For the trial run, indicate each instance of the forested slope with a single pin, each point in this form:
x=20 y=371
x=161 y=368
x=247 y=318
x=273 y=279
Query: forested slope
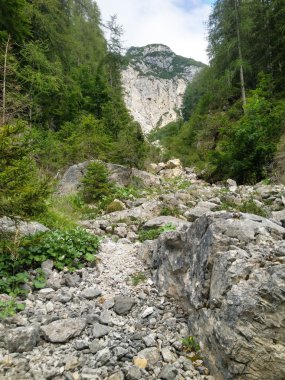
x=61 y=97
x=234 y=111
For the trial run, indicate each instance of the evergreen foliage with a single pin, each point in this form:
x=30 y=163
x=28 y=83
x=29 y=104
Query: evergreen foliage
x=61 y=97
x=95 y=183
x=22 y=187
x=234 y=109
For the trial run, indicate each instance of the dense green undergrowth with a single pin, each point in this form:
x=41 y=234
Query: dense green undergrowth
x=234 y=110
x=21 y=257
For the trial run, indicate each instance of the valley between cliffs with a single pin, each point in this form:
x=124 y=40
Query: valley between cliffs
x=183 y=260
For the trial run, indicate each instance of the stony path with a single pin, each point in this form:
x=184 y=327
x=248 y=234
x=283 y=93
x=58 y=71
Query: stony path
x=95 y=324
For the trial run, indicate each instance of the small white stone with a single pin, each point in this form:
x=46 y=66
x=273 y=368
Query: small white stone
x=147 y=312
x=49 y=307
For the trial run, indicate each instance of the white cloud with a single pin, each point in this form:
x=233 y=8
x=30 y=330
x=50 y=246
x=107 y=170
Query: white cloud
x=179 y=24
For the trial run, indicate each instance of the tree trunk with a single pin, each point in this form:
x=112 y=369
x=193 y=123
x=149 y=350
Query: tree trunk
x=4 y=81
x=241 y=73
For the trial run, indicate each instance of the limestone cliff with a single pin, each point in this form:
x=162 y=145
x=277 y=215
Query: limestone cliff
x=155 y=80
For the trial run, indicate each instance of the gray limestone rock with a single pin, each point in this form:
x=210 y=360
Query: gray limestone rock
x=72 y=280
x=10 y=226
x=168 y=356
x=91 y=293
x=196 y=212
x=95 y=346
x=117 y=376
x=105 y=317
x=151 y=354
x=123 y=304
x=153 y=100
x=133 y=373
x=123 y=176
x=63 y=330
x=149 y=340
x=100 y=330
x=103 y=356
x=22 y=339
x=225 y=269
x=279 y=216
x=147 y=210
x=168 y=372
x=161 y=221
x=71 y=179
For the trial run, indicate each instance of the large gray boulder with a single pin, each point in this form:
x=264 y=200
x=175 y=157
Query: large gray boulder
x=13 y=225
x=71 y=179
x=22 y=339
x=229 y=269
x=119 y=174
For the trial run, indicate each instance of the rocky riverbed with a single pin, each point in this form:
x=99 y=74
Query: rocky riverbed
x=96 y=324
x=218 y=276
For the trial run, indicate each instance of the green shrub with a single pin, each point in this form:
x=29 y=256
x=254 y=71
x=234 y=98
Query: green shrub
x=63 y=213
x=95 y=183
x=190 y=345
x=67 y=249
x=247 y=146
x=154 y=233
x=137 y=278
x=248 y=206
x=251 y=207
x=23 y=189
x=170 y=211
x=114 y=206
x=9 y=308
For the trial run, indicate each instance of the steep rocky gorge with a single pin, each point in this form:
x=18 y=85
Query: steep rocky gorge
x=155 y=81
x=218 y=276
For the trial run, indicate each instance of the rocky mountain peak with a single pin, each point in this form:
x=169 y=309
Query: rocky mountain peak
x=160 y=61
x=155 y=80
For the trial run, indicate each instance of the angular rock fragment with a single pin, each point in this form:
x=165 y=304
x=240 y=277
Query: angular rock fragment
x=123 y=304
x=63 y=330
x=22 y=339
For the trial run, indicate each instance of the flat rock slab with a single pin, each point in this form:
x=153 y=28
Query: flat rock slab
x=161 y=221
x=123 y=304
x=63 y=330
x=91 y=293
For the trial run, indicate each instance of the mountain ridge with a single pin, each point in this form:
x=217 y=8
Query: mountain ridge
x=154 y=80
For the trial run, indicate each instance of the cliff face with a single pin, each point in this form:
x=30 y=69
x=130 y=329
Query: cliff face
x=155 y=81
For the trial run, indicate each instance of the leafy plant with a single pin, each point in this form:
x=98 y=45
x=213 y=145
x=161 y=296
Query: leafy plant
x=115 y=205
x=189 y=344
x=39 y=281
x=67 y=249
x=248 y=206
x=9 y=308
x=153 y=233
x=170 y=210
x=137 y=278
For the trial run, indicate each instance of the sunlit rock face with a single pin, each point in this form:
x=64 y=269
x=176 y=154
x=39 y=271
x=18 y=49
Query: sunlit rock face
x=154 y=81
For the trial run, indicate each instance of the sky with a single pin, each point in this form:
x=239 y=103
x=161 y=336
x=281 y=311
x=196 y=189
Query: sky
x=179 y=24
